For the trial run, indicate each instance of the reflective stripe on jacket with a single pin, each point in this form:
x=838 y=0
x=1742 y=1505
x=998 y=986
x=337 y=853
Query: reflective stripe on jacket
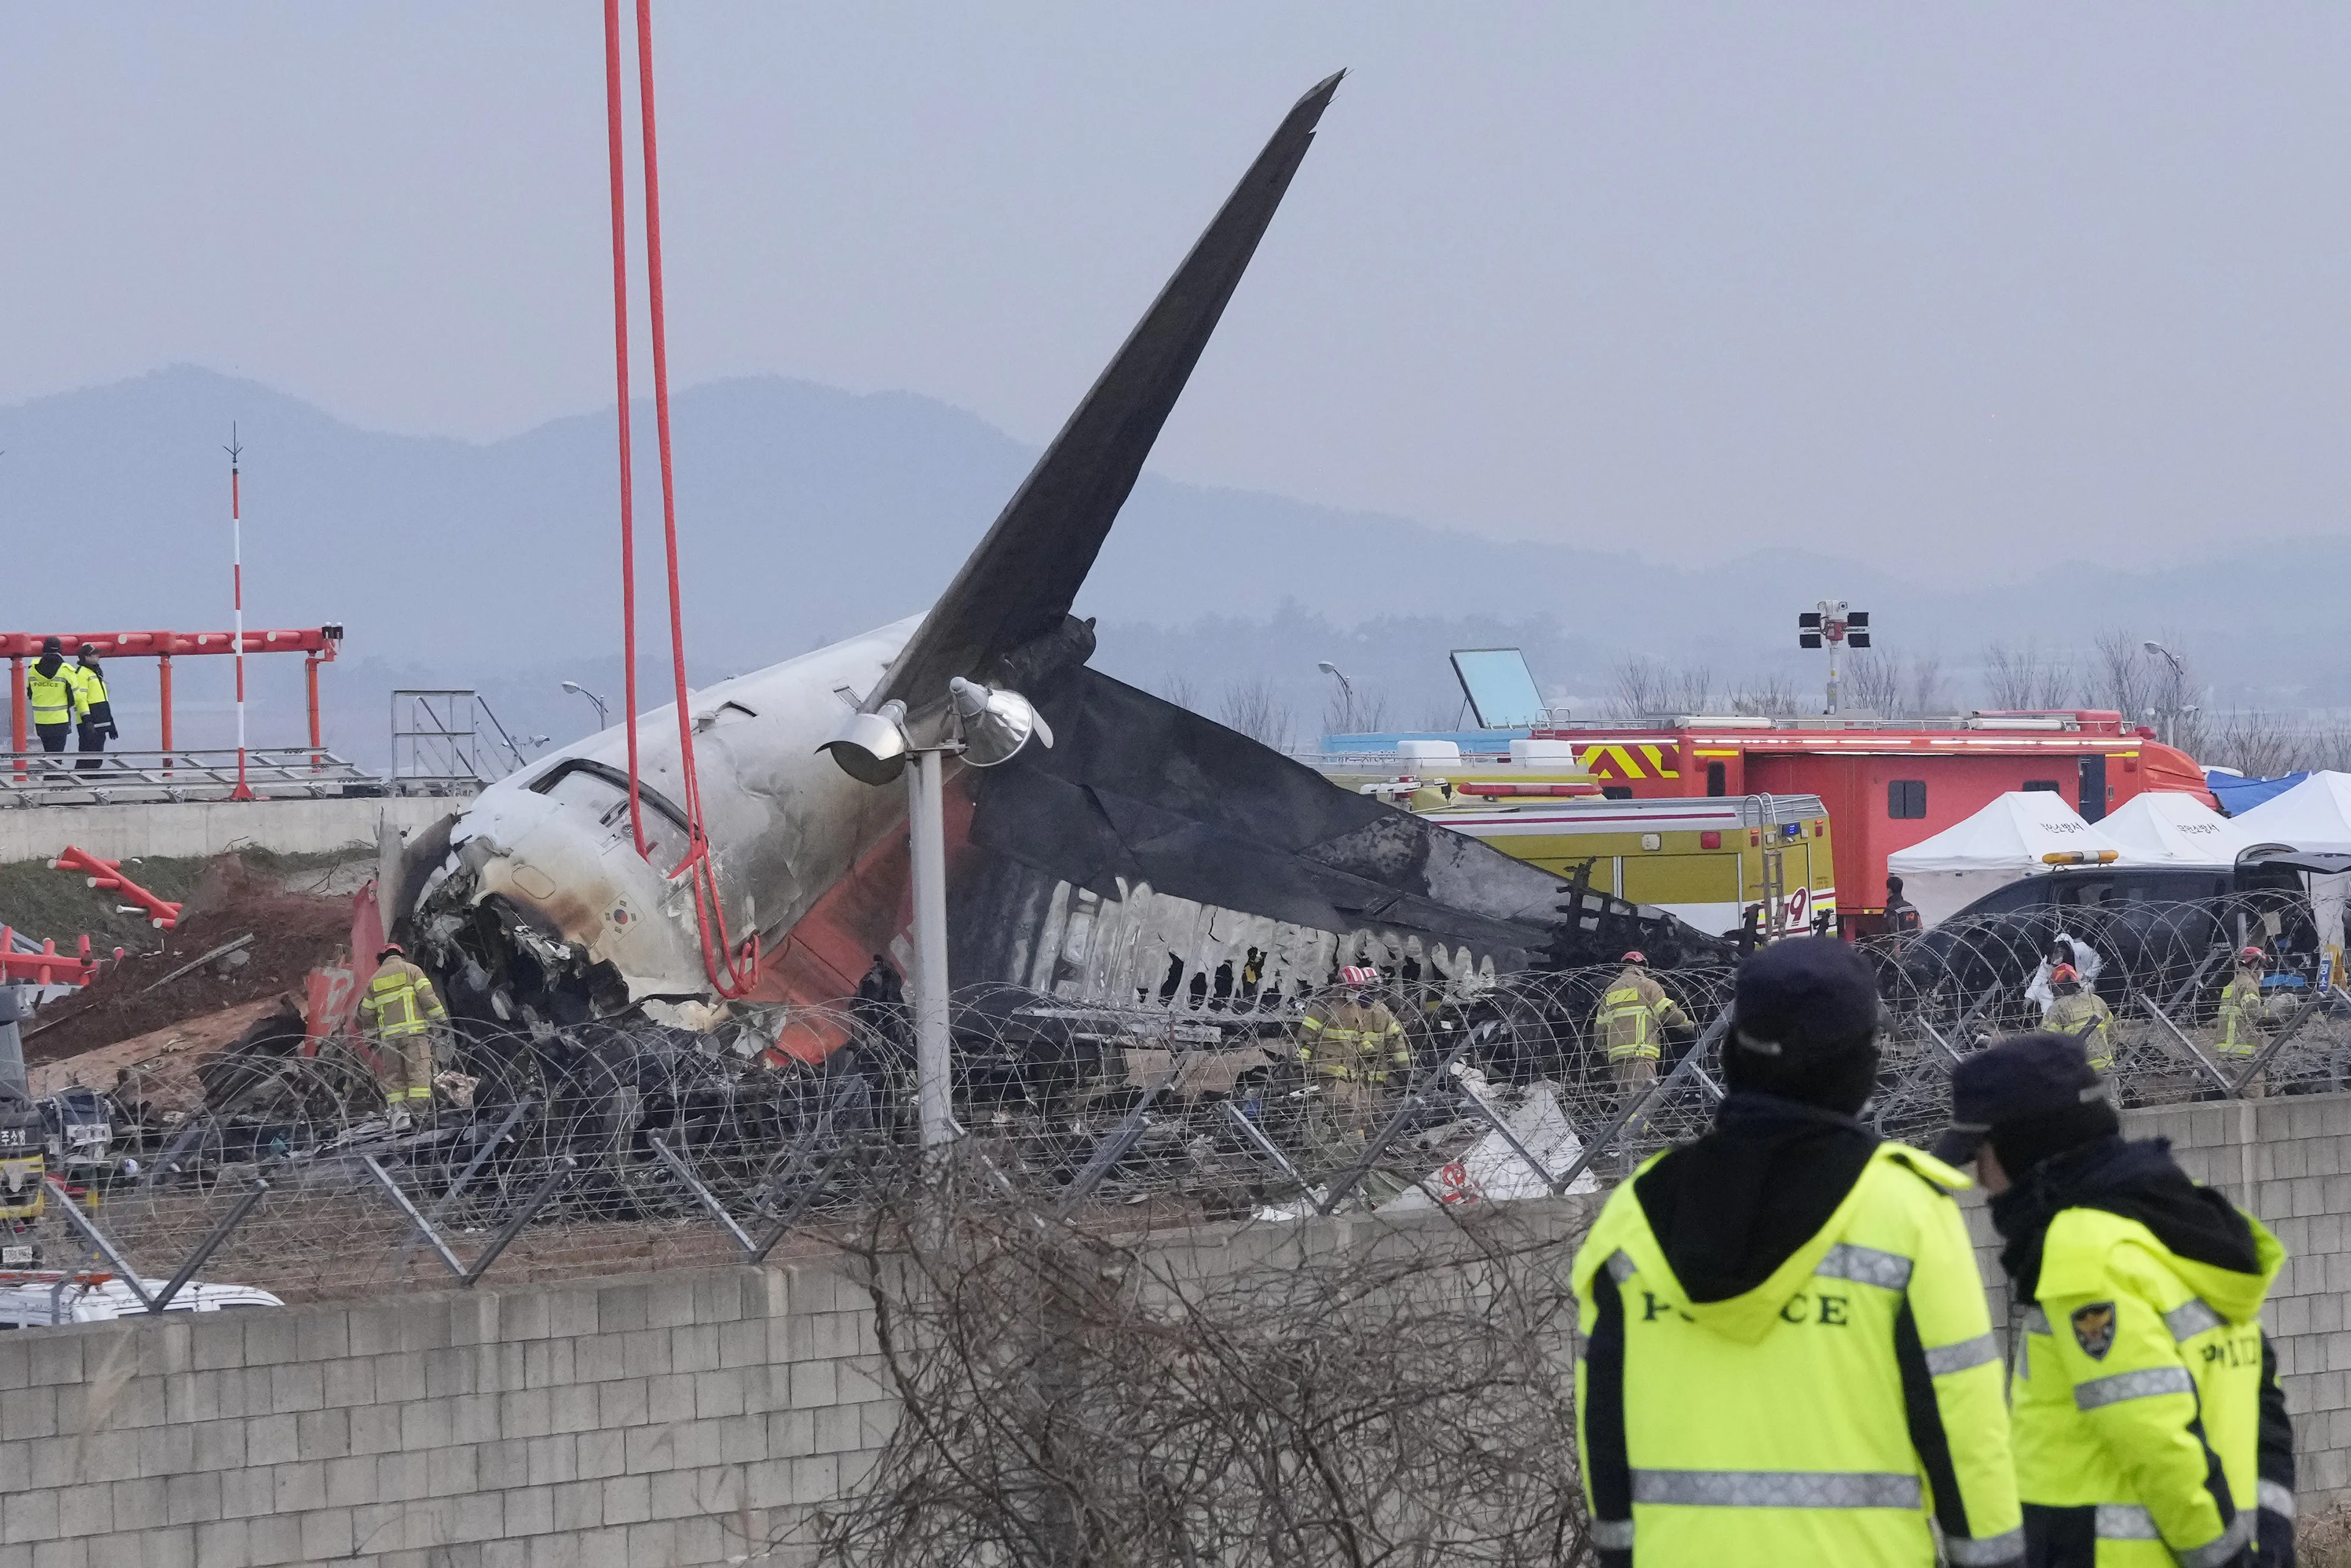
x=2085 y=1015
x=400 y=1002
x=2240 y=1014
x=90 y=689
x=1633 y=1014
x=1844 y=1411
x=54 y=699
x=2137 y=1398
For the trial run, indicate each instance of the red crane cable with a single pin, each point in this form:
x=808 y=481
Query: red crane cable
x=732 y=970
x=620 y=358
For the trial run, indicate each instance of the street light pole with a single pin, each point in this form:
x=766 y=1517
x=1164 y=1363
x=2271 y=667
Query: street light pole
x=235 y=451
x=986 y=726
x=927 y=839
x=1346 y=692
x=602 y=722
x=2179 y=684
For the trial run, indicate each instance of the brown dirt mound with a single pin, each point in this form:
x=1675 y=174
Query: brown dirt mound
x=293 y=933
x=165 y=1063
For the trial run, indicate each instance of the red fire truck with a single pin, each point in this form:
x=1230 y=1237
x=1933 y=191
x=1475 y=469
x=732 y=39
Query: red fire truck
x=1887 y=785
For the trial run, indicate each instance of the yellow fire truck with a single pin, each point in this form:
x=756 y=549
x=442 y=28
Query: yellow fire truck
x=1719 y=864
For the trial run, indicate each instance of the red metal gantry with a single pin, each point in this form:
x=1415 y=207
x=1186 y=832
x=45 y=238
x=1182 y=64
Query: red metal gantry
x=317 y=645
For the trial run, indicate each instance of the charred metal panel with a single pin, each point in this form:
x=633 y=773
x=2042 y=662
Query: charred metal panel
x=1150 y=841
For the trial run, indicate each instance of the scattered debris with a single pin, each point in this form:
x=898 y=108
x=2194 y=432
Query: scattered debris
x=164 y=1061
x=1492 y=1170
x=285 y=936
x=232 y=946
x=160 y=913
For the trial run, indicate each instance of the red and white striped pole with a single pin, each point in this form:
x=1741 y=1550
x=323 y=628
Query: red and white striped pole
x=242 y=791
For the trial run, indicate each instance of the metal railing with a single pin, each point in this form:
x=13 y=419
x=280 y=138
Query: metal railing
x=446 y=740
x=82 y=779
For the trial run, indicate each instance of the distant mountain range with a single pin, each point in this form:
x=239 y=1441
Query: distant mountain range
x=808 y=513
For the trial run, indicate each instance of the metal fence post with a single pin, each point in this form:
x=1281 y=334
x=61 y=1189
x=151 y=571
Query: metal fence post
x=1129 y=1131
x=1266 y=1145
x=1404 y=1108
x=564 y=1166
x=2196 y=979
x=423 y=1228
x=448 y=1200
x=2276 y=1044
x=1687 y=1065
x=229 y=1221
x=707 y=1198
x=98 y=1238
x=2187 y=1045
x=801 y=1204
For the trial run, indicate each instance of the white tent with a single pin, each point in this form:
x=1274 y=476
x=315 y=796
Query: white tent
x=2167 y=827
x=2315 y=815
x=2007 y=840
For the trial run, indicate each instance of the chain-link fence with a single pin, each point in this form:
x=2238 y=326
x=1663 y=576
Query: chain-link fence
x=609 y=1148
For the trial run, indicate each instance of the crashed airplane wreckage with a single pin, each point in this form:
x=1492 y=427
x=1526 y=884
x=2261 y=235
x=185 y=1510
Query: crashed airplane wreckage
x=1149 y=860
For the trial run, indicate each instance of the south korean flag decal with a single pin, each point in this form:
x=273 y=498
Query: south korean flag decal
x=2094 y=1329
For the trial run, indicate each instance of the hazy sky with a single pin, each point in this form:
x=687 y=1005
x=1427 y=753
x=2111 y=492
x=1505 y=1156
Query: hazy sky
x=1950 y=288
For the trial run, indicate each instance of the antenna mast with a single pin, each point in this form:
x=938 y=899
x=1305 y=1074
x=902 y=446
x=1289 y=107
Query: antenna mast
x=242 y=791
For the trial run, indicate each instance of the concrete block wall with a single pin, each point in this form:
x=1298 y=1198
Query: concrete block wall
x=660 y=1421
x=695 y=1417
x=210 y=826
x=685 y=1418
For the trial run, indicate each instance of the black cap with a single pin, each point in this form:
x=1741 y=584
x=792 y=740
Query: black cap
x=52 y=645
x=1806 y=998
x=2028 y=1078
x=88 y=649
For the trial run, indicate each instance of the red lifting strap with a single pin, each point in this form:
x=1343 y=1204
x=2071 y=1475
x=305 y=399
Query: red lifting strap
x=732 y=970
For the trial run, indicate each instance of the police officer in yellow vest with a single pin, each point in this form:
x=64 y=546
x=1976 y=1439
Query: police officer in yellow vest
x=1787 y=1355
x=53 y=691
x=2149 y=1427
x=95 y=725
x=402 y=1015
x=2075 y=1009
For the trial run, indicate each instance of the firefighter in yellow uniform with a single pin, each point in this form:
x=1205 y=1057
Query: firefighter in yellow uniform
x=2077 y=1010
x=1634 y=1014
x=402 y=1015
x=2242 y=1017
x=54 y=692
x=1351 y=1047
x=1787 y=1354
x=2150 y=1427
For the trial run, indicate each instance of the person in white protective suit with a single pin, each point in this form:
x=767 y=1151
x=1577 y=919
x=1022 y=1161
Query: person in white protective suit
x=2063 y=948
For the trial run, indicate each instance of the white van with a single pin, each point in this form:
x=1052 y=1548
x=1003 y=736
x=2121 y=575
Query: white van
x=39 y=1300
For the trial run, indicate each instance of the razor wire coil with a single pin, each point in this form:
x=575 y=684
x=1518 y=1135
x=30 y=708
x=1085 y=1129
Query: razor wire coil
x=615 y=1146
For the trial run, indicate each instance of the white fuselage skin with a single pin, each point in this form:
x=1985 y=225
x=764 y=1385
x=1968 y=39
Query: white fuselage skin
x=785 y=823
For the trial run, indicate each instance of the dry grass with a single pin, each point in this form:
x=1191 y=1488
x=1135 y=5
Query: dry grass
x=2324 y=1540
